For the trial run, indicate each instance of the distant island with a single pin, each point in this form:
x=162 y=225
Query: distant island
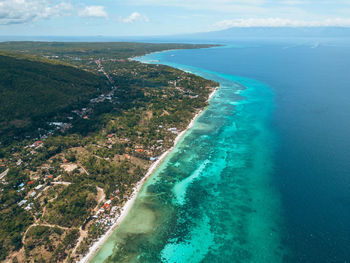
x=81 y=123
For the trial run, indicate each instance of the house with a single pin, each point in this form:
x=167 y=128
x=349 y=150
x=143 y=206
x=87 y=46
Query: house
x=139 y=150
x=22 y=202
x=30 y=182
x=100 y=211
x=32 y=194
x=56 y=123
x=39 y=187
x=173 y=130
x=37 y=144
x=28 y=207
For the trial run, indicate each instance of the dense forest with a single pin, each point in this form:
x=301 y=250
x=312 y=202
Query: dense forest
x=33 y=91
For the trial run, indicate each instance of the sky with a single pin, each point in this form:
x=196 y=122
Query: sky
x=162 y=17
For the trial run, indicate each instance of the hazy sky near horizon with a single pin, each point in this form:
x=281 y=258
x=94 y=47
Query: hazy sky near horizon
x=162 y=17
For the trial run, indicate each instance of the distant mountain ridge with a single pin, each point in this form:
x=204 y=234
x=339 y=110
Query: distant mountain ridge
x=211 y=36
x=277 y=32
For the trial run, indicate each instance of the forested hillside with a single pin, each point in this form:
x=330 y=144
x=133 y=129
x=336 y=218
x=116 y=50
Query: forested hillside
x=31 y=91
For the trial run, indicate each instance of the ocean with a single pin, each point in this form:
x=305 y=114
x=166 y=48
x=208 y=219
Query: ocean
x=264 y=174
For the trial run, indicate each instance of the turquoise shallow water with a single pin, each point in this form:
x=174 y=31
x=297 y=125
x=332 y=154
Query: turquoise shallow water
x=212 y=199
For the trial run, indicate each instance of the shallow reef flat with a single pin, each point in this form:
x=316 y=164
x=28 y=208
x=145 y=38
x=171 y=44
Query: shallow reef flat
x=211 y=200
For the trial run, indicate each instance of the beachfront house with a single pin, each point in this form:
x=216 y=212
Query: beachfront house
x=173 y=130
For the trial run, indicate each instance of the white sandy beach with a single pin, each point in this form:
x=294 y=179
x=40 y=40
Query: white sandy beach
x=126 y=208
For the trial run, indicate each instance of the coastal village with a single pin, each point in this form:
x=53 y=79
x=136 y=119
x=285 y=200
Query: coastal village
x=70 y=188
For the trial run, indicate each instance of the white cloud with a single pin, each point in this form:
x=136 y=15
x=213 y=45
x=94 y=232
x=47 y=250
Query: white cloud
x=134 y=17
x=291 y=9
x=97 y=11
x=196 y=3
x=217 y=5
x=237 y=8
x=280 y=22
x=21 y=11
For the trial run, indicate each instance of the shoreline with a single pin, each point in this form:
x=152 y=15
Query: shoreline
x=128 y=205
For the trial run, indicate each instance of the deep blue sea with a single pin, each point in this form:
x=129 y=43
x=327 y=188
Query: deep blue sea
x=264 y=175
